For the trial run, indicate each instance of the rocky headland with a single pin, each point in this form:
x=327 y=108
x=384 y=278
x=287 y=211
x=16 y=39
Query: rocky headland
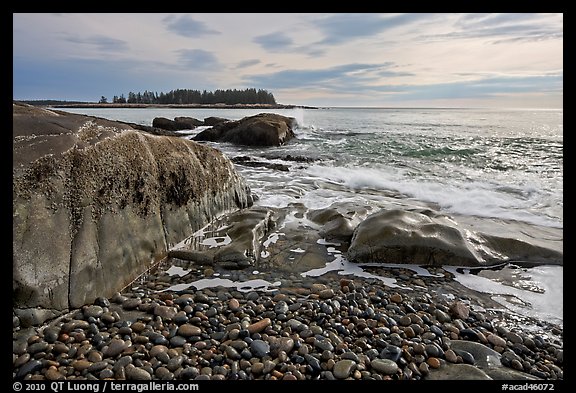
x=140 y=256
x=96 y=203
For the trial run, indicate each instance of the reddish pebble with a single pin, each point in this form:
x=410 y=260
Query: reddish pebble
x=259 y=326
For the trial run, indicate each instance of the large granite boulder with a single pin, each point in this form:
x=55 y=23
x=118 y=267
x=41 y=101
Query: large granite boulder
x=96 y=203
x=427 y=238
x=264 y=129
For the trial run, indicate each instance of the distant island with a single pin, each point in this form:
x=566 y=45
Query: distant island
x=69 y=104
x=180 y=98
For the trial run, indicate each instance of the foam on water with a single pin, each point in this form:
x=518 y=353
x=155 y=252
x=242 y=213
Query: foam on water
x=474 y=198
x=242 y=286
x=538 y=294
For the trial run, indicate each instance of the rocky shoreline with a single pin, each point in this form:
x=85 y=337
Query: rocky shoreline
x=246 y=295
x=295 y=328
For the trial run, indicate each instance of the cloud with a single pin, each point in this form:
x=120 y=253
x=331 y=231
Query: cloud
x=504 y=28
x=274 y=41
x=198 y=59
x=485 y=87
x=100 y=42
x=280 y=42
x=338 y=77
x=186 y=26
x=247 y=63
x=345 y=27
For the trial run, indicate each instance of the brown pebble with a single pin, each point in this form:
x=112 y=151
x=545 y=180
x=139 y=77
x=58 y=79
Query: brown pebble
x=234 y=304
x=165 y=296
x=289 y=377
x=317 y=288
x=409 y=332
x=326 y=294
x=396 y=298
x=81 y=365
x=259 y=326
x=188 y=330
x=423 y=368
x=280 y=297
x=433 y=362
x=94 y=356
x=63 y=337
x=344 y=282
x=451 y=356
x=459 y=310
x=52 y=374
x=496 y=340
x=22 y=359
x=257 y=368
x=138 y=327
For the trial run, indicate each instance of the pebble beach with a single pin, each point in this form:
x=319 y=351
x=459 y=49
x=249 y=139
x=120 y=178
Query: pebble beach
x=300 y=328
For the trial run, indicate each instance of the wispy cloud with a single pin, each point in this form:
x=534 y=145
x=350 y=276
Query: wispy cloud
x=504 y=28
x=485 y=87
x=198 y=59
x=337 y=77
x=281 y=42
x=340 y=28
x=185 y=26
x=99 y=42
x=247 y=63
x=274 y=41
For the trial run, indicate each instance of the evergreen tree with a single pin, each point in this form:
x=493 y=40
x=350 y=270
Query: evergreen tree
x=189 y=96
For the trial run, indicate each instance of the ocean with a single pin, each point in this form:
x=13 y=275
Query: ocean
x=495 y=170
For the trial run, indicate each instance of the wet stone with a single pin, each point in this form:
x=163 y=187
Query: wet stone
x=384 y=366
x=496 y=340
x=52 y=374
x=131 y=303
x=93 y=311
x=136 y=373
x=115 y=347
x=259 y=348
x=343 y=368
x=188 y=330
x=177 y=341
x=29 y=368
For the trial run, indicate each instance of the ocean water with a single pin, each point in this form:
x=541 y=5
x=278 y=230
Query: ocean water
x=498 y=171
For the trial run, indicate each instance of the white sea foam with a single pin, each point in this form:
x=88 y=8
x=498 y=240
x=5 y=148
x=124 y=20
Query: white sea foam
x=346 y=268
x=474 y=198
x=242 y=286
x=547 y=303
x=216 y=241
x=177 y=271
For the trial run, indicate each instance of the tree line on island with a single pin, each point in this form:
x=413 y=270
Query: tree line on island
x=189 y=96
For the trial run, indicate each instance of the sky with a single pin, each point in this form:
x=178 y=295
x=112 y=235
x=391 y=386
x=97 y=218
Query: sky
x=342 y=59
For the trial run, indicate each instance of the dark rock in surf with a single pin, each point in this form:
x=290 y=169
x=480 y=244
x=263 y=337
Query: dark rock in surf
x=264 y=129
x=213 y=120
x=179 y=123
x=248 y=161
